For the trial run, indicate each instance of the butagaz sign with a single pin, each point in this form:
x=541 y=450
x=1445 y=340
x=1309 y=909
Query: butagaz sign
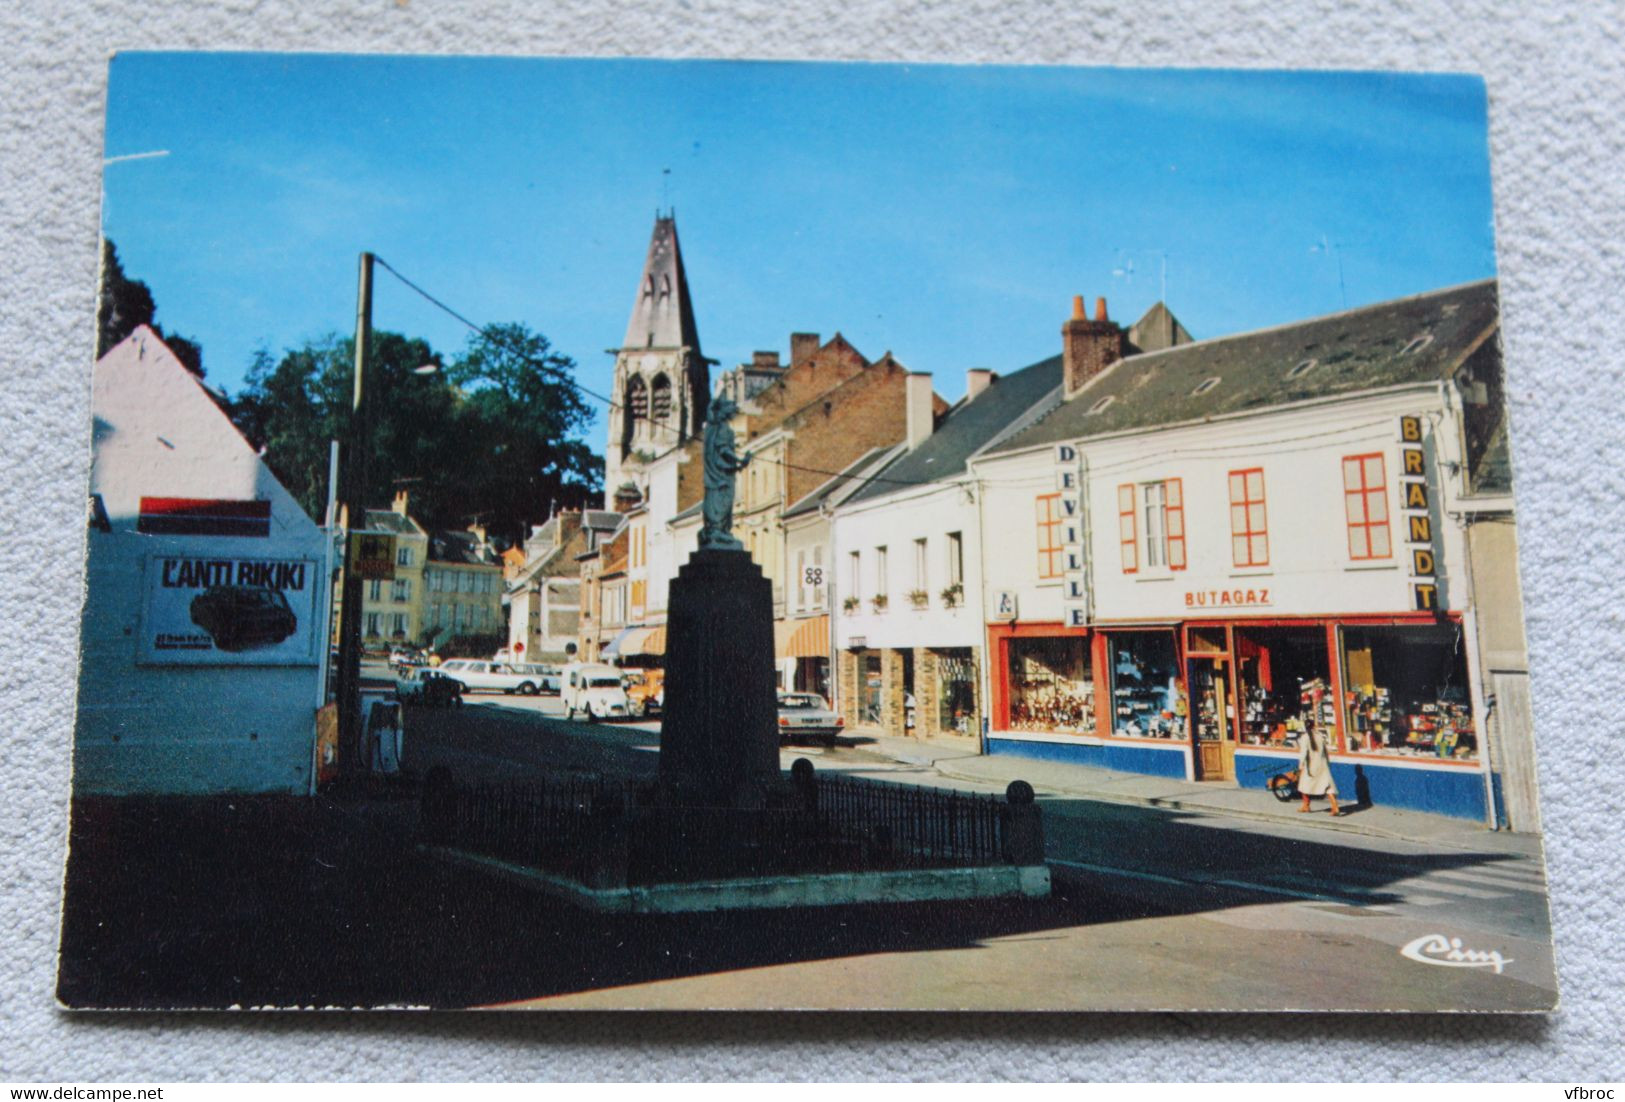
x=1227 y=598
x=1416 y=509
x=1069 y=508
x=221 y=610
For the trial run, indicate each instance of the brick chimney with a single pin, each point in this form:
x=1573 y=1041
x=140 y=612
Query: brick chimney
x=802 y=345
x=764 y=359
x=978 y=379
x=399 y=504
x=917 y=401
x=1088 y=347
x=627 y=498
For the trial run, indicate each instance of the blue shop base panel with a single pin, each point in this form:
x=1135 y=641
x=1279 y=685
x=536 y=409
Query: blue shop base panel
x=1458 y=793
x=1123 y=757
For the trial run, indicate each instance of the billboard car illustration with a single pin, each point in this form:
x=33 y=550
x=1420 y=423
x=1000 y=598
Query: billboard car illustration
x=240 y=618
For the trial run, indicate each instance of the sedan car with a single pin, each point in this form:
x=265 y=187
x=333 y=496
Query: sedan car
x=240 y=618
x=807 y=717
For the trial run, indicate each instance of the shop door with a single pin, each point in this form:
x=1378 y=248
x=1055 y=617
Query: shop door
x=870 y=714
x=1212 y=715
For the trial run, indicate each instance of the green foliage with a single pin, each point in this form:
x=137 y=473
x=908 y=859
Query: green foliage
x=492 y=437
x=125 y=304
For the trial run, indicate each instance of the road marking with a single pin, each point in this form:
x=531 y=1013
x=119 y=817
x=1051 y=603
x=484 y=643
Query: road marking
x=1434 y=885
x=1412 y=879
x=1358 y=893
x=1499 y=876
x=1313 y=897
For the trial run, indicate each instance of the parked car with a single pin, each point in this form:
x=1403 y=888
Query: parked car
x=645 y=691
x=478 y=675
x=240 y=617
x=548 y=678
x=595 y=691
x=807 y=717
x=428 y=687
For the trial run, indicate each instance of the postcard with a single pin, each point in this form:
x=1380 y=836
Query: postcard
x=708 y=535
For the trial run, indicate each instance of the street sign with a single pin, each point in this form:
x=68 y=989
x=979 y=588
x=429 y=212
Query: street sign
x=372 y=555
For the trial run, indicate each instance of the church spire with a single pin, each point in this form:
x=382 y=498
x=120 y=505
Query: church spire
x=663 y=316
x=662 y=379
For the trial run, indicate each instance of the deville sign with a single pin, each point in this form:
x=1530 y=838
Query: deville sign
x=1069 y=509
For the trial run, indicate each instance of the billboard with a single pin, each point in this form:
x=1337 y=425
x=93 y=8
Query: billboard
x=229 y=610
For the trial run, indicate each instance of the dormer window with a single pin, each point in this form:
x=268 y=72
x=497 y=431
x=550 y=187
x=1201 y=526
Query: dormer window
x=1301 y=368
x=1205 y=385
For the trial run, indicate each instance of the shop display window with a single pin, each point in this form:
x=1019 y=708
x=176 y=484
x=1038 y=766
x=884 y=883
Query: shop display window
x=1285 y=684
x=1405 y=690
x=1147 y=698
x=1051 y=685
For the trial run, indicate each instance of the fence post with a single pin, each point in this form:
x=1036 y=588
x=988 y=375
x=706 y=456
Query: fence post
x=1023 y=830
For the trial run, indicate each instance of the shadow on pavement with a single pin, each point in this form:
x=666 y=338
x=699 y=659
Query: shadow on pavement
x=218 y=902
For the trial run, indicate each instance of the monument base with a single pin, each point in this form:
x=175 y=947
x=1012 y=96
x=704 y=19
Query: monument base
x=719 y=743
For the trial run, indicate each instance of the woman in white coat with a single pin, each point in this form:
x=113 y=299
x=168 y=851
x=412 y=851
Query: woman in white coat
x=1315 y=769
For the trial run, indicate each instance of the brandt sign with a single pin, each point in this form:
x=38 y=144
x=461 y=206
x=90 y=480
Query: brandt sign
x=201 y=610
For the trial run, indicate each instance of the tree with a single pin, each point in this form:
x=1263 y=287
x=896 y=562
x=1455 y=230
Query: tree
x=524 y=416
x=494 y=437
x=125 y=304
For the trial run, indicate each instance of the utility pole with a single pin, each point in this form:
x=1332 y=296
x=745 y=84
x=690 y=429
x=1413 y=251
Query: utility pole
x=353 y=505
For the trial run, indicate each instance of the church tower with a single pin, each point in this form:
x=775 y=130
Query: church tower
x=662 y=380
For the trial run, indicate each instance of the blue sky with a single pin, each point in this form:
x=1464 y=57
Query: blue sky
x=947 y=214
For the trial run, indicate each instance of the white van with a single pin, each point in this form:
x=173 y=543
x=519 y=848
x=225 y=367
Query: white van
x=595 y=690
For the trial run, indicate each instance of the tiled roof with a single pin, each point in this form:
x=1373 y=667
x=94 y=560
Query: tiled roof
x=969 y=427
x=458 y=547
x=842 y=481
x=1409 y=340
x=387 y=520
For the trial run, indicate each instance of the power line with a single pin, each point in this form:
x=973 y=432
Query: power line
x=486 y=333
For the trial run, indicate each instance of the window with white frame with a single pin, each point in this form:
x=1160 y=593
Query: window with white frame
x=956 y=559
x=854 y=580
x=401 y=590
x=403 y=557
x=921 y=573
x=882 y=589
x=375 y=590
x=1152 y=515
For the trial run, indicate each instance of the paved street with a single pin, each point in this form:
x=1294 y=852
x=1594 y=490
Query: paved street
x=1155 y=907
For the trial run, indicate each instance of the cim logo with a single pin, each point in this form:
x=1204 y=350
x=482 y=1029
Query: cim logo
x=1448 y=952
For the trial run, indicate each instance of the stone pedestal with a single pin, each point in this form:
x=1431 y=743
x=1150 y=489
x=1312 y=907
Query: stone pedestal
x=719 y=735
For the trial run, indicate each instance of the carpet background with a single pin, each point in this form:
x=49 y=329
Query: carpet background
x=1557 y=93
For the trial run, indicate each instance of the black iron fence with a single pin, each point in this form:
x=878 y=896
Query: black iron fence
x=605 y=833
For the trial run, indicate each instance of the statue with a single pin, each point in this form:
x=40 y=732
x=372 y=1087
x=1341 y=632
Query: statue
x=721 y=464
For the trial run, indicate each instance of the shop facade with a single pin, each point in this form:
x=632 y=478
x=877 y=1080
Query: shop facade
x=1197 y=593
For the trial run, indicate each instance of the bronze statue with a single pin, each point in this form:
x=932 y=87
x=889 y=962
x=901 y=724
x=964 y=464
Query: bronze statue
x=721 y=464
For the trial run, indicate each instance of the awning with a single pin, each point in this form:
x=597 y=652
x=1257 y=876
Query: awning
x=635 y=641
x=807 y=638
x=651 y=641
x=612 y=649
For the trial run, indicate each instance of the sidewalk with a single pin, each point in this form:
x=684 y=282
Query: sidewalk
x=958 y=760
